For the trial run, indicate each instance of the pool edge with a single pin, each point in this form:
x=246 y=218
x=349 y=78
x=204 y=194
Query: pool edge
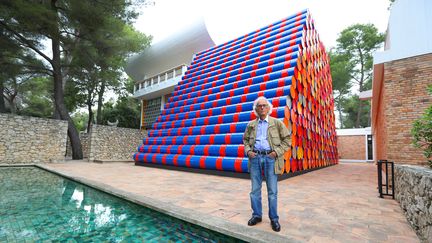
x=204 y=220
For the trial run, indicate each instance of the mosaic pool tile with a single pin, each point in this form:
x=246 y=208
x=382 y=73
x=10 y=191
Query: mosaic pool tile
x=38 y=206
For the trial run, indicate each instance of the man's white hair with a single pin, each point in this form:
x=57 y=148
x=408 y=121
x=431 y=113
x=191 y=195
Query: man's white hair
x=266 y=100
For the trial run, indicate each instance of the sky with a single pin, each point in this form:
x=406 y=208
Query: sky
x=229 y=19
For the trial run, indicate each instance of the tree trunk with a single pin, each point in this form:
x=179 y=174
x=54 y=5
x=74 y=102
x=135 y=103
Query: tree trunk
x=11 y=100
x=62 y=110
x=90 y=118
x=100 y=103
x=339 y=108
x=12 y=106
x=359 y=113
x=2 y=102
x=59 y=94
x=56 y=114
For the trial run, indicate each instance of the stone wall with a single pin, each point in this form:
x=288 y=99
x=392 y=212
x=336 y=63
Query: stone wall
x=114 y=143
x=85 y=145
x=31 y=139
x=413 y=190
x=352 y=147
x=405 y=99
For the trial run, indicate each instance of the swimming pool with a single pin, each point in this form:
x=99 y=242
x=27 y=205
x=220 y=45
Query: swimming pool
x=36 y=205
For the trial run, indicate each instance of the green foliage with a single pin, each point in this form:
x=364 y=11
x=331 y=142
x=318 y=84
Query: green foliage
x=357 y=43
x=367 y=85
x=353 y=63
x=340 y=79
x=340 y=71
x=422 y=132
x=83 y=37
x=88 y=44
x=19 y=66
x=126 y=111
x=350 y=107
x=80 y=120
x=98 y=60
x=128 y=87
x=37 y=98
x=74 y=98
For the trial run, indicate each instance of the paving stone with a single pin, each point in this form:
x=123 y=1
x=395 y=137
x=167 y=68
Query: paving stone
x=336 y=204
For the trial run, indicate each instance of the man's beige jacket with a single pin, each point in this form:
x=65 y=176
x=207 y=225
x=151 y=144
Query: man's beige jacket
x=278 y=138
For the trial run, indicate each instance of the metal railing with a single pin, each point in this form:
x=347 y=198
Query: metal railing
x=384 y=188
x=161 y=77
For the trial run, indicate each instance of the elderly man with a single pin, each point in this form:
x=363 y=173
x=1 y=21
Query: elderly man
x=265 y=140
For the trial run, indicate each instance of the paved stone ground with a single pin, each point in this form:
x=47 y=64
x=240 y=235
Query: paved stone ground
x=335 y=204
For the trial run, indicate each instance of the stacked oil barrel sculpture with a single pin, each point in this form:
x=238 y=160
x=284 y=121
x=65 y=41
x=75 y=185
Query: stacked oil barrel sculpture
x=203 y=122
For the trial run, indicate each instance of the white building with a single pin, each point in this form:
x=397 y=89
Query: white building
x=159 y=68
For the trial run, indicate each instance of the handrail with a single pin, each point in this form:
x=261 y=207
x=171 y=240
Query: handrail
x=161 y=77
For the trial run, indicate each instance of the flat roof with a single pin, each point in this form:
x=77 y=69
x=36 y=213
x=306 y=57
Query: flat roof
x=171 y=52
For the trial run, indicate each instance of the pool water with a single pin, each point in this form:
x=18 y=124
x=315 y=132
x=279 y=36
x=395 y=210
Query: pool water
x=36 y=205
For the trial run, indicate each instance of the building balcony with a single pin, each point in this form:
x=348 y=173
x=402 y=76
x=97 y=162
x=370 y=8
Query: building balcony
x=160 y=84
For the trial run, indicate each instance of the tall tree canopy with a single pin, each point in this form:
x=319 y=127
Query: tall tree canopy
x=36 y=98
x=341 y=81
x=355 y=47
x=99 y=63
x=73 y=30
x=18 y=67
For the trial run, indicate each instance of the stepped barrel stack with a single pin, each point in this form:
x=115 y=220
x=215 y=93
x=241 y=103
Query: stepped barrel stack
x=202 y=124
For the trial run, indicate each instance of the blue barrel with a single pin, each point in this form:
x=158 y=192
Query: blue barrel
x=268 y=37
x=257 y=53
x=224 y=96
x=225 y=119
x=246 y=43
x=265 y=48
x=263 y=60
x=204 y=120
x=277 y=25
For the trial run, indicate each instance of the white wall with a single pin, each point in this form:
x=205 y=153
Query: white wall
x=409 y=31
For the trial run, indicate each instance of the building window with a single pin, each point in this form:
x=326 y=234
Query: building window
x=171 y=74
x=178 y=71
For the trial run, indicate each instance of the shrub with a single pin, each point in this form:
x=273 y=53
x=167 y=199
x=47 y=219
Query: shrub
x=422 y=132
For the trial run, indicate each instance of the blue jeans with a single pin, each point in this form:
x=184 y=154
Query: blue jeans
x=259 y=164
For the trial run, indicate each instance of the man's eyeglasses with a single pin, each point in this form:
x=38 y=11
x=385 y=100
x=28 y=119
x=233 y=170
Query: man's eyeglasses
x=262 y=106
